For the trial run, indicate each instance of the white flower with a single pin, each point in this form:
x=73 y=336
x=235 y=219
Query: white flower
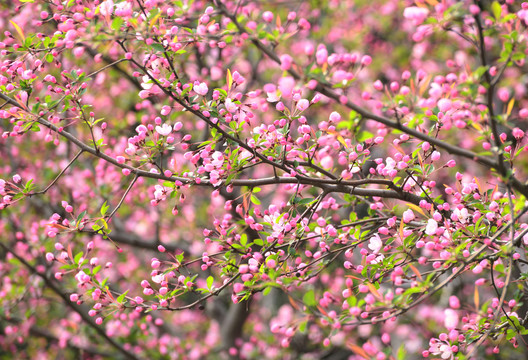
x=450 y=319
x=378 y=259
x=437 y=347
x=431 y=227
x=164 y=129
x=273 y=96
x=218 y=159
x=147 y=83
x=408 y=216
x=161 y=193
x=462 y=215
x=106 y=7
x=375 y=244
x=230 y=105
x=201 y=89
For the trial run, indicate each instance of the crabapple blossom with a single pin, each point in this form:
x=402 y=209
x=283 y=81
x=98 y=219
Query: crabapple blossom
x=245 y=179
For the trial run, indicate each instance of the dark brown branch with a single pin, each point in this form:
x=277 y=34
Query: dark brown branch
x=348 y=187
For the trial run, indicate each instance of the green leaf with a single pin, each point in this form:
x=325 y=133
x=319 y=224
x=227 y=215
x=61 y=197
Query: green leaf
x=158 y=47
x=77 y=257
x=121 y=297
x=255 y=200
x=243 y=240
x=116 y=23
x=364 y=135
x=309 y=298
x=104 y=209
x=80 y=217
x=402 y=353
x=29 y=186
x=210 y=281
x=496 y=9
x=96 y=269
x=305 y=201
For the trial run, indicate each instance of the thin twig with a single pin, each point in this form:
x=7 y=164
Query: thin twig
x=58 y=176
x=123 y=197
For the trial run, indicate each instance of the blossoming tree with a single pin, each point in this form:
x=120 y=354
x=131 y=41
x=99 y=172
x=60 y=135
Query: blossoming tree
x=245 y=179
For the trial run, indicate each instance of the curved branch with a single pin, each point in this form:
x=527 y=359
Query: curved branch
x=348 y=187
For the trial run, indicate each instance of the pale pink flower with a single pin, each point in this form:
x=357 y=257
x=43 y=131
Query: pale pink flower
x=230 y=105
x=416 y=14
x=375 y=244
x=450 y=319
x=444 y=105
x=408 y=216
x=106 y=7
x=303 y=104
x=431 y=227
x=201 y=89
x=164 y=129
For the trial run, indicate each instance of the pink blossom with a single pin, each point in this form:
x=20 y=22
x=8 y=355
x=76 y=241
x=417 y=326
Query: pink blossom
x=201 y=89
x=408 y=216
x=431 y=227
x=230 y=105
x=375 y=244
x=503 y=94
x=444 y=105
x=106 y=7
x=366 y=60
x=450 y=319
x=517 y=133
x=286 y=62
x=416 y=14
x=164 y=130
x=302 y=105
x=267 y=16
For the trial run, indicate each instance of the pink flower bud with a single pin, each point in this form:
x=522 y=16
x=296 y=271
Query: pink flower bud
x=378 y=85
x=267 y=16
x=366 y=60
x=503 y=94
